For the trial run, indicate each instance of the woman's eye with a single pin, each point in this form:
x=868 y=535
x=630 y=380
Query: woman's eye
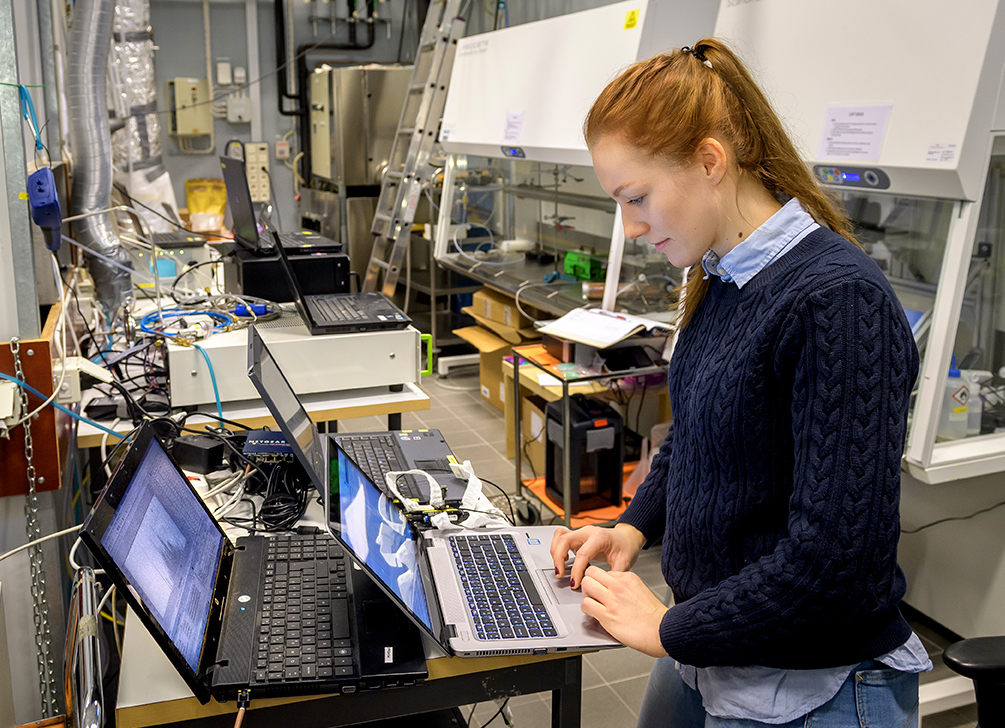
x=634 y=201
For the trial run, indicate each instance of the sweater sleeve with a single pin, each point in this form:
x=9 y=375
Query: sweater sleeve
x=854 y=365
x=647 y=512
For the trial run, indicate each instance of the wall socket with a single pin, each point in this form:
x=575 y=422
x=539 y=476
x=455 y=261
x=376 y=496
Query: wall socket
x=256 y=163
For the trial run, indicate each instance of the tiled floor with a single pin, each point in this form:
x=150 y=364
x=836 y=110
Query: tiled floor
x=614 y=680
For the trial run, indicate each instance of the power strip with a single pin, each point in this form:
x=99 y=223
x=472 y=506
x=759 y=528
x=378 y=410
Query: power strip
x=256 y=162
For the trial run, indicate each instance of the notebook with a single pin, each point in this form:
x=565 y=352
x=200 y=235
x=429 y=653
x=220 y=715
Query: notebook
x=276 y=616
x=400 y=450
x=246 y=229
x=343 y=313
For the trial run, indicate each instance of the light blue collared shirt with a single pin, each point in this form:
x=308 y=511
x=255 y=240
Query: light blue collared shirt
x=768 y=694
x=779 y=234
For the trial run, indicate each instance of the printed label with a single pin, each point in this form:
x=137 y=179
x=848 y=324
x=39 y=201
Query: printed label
x=486 y=393
x=388 y=655
x=941 y=153
x=962 y=395
x=513 y=131
x=507 y=316
x=853 y=132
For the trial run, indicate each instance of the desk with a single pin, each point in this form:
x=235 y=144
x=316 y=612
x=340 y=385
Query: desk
x=152 y=693
x=327 y=407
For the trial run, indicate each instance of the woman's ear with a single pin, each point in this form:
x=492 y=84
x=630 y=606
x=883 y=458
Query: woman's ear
x=713 y=158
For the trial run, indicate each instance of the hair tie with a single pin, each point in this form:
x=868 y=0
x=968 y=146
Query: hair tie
x=700 y=55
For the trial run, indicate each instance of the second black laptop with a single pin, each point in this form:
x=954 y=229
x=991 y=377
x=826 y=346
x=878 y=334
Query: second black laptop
x=343 y=313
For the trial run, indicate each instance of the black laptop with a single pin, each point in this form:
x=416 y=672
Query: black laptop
x=343 y=313
x=284 y=615
x=246 y=229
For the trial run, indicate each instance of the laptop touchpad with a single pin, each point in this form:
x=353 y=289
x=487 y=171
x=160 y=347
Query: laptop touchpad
x=561 y=588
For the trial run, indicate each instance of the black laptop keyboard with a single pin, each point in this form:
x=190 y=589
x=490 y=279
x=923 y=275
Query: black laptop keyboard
x=338 y=308
x=376 y=456
x=299 y=640
x=501 y=595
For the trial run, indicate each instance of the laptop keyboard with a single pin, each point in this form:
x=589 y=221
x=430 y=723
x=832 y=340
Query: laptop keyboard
x=298 y=638
x=375 y=455
x=338 y=308
x=501 y=595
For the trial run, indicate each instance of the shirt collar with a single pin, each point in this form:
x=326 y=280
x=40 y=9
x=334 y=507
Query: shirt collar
x=774 y=237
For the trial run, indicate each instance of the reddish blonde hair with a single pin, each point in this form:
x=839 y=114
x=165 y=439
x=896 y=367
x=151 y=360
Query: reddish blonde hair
x=667 y=105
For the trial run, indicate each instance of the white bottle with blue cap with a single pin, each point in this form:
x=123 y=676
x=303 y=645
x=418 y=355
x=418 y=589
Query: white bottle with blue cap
x=955 y=406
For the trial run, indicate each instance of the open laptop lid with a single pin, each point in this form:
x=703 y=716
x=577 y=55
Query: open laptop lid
x=298 y=293
x=301 y=433
x=383 y=542
x=241 y=209
x=157 y=540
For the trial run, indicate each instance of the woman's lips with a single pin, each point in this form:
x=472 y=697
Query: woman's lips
x=661 y=244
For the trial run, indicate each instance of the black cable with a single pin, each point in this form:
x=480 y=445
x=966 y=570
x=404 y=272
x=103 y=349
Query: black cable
x=512 y=513
x=175 y=222
x=952 y=518
x=497 y=713
x=87 y=327
x=184 y=419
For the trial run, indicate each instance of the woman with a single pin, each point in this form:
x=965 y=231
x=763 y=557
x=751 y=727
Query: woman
x=776 y=493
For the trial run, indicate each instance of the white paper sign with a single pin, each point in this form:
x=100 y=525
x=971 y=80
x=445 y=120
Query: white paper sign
x=941 y=153
x=513 y=131
x=853 y=132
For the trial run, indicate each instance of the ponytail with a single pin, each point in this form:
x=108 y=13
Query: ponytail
x=667 y=105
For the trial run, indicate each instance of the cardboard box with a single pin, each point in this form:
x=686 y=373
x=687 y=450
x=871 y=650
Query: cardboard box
x=507 y=333
x=500 y=308
x=491 y=350
x=533 y=421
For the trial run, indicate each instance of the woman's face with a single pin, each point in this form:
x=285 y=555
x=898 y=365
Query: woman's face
x=675 y=207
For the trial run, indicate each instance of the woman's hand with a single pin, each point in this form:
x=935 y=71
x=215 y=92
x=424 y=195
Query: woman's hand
x=626 y=608
x=619 y=546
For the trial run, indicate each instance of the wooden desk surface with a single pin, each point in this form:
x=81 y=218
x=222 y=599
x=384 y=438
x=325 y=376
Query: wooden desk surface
x=321 y=407
x=151 y=692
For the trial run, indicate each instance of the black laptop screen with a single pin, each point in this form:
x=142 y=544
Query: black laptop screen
x=167 y=546
x=378 y=535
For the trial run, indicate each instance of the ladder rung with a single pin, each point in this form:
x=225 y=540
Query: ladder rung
x=407 y=131
x=427 y=46
x=381 y=216
x=416 y=87
x=380 y=263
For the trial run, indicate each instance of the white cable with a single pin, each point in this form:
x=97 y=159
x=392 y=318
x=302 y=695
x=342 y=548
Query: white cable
x=104 y=448
x=61 y=347
x=108 y=594
x=28 y=545
x=73 y=560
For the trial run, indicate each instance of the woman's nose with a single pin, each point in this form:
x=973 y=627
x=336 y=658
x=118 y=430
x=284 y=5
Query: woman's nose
x=634 y=228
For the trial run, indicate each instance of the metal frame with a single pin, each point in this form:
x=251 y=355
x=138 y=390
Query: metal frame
x=566 y=417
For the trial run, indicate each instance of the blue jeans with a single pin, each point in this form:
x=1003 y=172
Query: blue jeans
x=877 y=697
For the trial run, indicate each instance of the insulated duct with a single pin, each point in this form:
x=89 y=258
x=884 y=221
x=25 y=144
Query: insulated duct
x=136 y=145
x=92 y=149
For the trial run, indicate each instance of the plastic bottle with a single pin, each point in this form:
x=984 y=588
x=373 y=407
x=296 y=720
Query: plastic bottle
x=955 y=411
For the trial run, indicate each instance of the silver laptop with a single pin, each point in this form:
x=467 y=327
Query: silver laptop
x=475 y=592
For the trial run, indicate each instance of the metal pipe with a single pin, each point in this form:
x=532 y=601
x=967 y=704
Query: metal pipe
x=566 y=198
x=91 y=141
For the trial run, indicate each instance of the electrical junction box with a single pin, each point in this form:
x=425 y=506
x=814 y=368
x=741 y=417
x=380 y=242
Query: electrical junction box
x=256 y=165
x=313 y=364
x=191 y=109
x=238 y=109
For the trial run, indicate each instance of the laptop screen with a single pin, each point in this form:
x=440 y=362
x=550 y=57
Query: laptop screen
x=167 y=546
x=301 y=434
x=239 y=199
x=377 y=534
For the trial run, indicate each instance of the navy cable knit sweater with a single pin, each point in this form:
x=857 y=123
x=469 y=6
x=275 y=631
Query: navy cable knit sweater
x=776 y=494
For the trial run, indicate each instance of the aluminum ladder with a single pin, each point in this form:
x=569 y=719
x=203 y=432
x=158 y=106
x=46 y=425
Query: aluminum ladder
x=408 y=164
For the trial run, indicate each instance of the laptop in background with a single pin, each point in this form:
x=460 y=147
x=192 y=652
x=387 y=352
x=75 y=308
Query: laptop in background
x=343 y=313
x=246 y=229
x=277 y=615
x=394 y=450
